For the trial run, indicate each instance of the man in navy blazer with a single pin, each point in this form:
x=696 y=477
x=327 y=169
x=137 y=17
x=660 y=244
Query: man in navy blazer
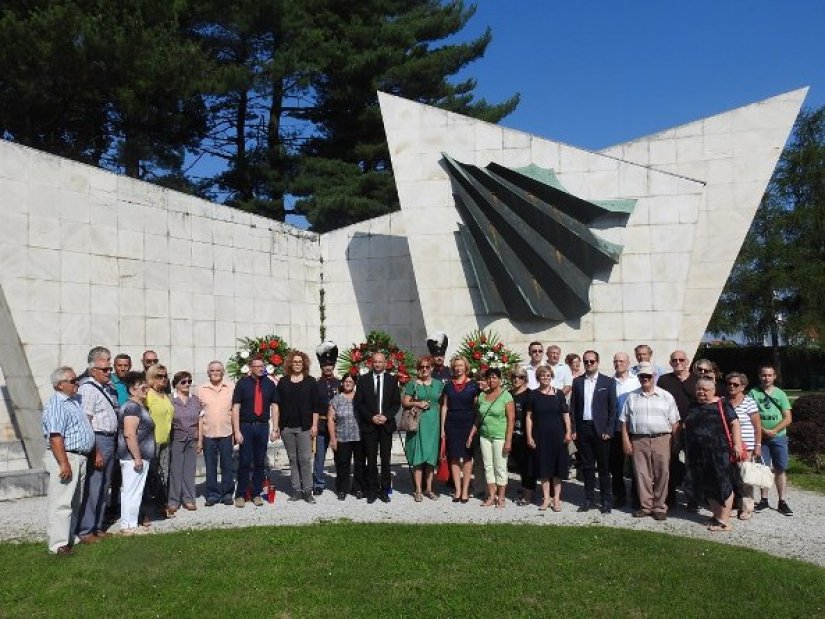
x=376 y=419
x=593 y=401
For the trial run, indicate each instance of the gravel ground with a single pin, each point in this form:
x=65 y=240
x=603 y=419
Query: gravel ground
x=800 y=537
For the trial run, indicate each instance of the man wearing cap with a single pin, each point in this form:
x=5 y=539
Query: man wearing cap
x=327 y=386
x=437 y=345
x=649 y=420
x=70 y=441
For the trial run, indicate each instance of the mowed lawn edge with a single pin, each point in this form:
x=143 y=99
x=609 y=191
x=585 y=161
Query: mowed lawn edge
x=407 y=570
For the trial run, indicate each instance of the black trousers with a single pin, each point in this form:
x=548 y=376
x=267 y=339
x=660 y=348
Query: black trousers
x=375 y=442
x=343 y=466
x=523 y=457
x=617 y=466
x=594 y=452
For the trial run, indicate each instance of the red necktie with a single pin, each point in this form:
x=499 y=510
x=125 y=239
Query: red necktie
x=259 y=399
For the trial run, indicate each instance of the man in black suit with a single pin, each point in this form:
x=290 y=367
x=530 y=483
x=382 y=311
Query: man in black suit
x=593 y=401
x=377 y=400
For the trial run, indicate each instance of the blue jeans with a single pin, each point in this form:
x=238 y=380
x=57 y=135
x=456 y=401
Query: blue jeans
x=775 y=453
x=214 y=448
x=321 y=444
x=97 y=485
x=252 y=457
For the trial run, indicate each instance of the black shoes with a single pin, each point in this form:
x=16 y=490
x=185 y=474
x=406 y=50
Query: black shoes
x=761 y=506
x=605 y=509
x=209 y=502
x=371 y=499
x=342 y=496
x=307 y=494
x=586 y=507
x=317 y=491
x=384 y=497
x=783 y=509
x=359 y=495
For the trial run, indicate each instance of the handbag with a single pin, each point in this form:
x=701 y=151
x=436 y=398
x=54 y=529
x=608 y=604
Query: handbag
x=409 y=417
x=757 y=474
x=443 y=472
x=733 y=456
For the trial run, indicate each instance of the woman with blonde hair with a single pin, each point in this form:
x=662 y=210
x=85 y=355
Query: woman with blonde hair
x=458 y=415
x=162 y=412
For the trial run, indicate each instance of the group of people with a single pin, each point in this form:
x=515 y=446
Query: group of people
x=678 y=428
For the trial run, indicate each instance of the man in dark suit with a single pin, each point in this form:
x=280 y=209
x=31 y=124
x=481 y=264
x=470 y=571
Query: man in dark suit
x=593 y=401
x=377 y=400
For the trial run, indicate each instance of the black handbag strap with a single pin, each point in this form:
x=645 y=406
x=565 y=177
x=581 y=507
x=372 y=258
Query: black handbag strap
x=773 y=401
x=105 y=395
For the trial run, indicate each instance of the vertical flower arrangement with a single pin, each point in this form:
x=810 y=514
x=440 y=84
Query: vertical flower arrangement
x=357 y=359
x=273 y=350
x=484 y=350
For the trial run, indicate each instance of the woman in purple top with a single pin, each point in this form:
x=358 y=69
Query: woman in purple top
x=184 y=443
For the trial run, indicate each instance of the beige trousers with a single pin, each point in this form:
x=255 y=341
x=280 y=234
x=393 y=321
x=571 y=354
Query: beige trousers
x=64 y=498
x=651 y=461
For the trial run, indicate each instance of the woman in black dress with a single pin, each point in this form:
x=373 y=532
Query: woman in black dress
x=458 y=414
x=711 y=429
x=548 y=432
x=521 y=454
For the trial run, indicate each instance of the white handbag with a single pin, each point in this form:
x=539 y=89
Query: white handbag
x=756 y=474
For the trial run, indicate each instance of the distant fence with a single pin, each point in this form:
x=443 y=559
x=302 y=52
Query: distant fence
x=801 y=368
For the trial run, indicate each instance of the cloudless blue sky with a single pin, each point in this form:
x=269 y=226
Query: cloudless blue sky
x=593 y=74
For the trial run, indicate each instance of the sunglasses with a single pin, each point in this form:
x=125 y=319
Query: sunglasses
x=536 y=351
x=72 y=381
x=161 y=376
x=704 y=370
x=679 y=360
x=106 y=369
x=590 y=361
x=732 y=384
x=645 y=377
x=425 y=367
x=185 y=381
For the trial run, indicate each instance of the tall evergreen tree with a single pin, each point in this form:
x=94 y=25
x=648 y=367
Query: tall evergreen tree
x=395 y=46
x=777 y=286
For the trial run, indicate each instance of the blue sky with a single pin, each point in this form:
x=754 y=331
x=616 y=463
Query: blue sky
x=593 y=74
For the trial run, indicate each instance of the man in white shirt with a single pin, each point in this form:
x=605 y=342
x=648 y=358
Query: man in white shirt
x=535 y=353
x=562 y=376
x=649 y=419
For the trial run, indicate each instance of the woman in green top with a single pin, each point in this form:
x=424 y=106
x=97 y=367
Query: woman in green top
x=496 y=417
x=421 y=447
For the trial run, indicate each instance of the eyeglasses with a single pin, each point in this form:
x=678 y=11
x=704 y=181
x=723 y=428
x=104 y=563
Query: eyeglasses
x=678 y=360
x=161 y=376
x=590 y=361
x=645 y=377
x=150 y=361
x=733 y=384
x=185 y=381
x=704 y=370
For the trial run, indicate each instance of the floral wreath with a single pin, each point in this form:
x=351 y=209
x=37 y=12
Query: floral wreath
x=357 y=359
x=484 y=350
x=272 y=349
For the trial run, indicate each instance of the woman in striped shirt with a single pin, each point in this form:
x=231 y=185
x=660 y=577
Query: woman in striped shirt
x=750 y=427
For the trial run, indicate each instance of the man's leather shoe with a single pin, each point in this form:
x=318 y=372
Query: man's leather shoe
x=586 y=507
x=384 y=497
x=64 y=551
x=371 y=499
x=640 y=514
x=620 y=503
x=317 y=491
x=359 y=495
x=605 y=509
x=659 y=516
x=91 y=538
x=342 y=496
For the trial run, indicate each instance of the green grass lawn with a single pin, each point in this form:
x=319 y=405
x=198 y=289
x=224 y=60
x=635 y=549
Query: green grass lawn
x=341 y=570
x=803 y=476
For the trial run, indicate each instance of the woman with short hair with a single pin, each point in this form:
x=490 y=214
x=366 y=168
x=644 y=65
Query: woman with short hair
x=521 y=454
x=345 y=437
x=714 y=444
x=162 y=412
x=750 y=426
x=135 y=450
x=421 y=446
x=574 y=362
x=184 y=443
x=548 y=432
x=496 y=415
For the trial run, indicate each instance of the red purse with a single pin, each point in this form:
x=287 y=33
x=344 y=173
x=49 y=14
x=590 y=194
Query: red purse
x=443 y=472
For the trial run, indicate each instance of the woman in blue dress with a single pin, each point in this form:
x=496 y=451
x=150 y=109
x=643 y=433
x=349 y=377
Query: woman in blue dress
x=458 y=414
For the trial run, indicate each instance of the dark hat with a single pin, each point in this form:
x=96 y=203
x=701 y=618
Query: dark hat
x=327 y=353
x=437 y=344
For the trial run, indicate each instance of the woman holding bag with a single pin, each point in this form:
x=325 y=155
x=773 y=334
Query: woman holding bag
x=747 y=411
x=421 y=448
x=714 y=446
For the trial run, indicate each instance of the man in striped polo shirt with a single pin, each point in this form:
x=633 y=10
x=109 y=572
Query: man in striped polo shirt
x=70 y=440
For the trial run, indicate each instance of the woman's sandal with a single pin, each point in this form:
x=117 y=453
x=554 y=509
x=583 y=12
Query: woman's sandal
x=489 y=501
x=719 y=526
x=500 y=503
x=418 y=497
x=556 y=508
x=745 y=515
x=431 y=495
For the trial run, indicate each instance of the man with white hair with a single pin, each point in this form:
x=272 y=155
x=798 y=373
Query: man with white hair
x=70 y=441
x=99 y=400
x=562 y=376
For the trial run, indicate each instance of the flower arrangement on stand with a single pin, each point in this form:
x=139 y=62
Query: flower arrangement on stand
x=484 y=350
x=357 y=359
x=272 y=348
